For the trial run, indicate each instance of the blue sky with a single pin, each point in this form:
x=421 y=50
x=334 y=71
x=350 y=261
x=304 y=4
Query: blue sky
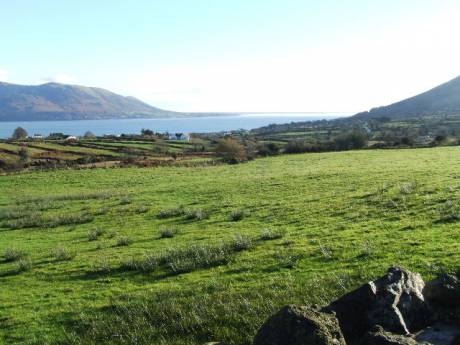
x=235 y=55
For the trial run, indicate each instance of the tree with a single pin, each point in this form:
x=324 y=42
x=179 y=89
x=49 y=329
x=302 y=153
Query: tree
x=147 y=132
x=23 y=154
x=350 y=141
x=19 y=134
x=231 y=151
x=89 y=135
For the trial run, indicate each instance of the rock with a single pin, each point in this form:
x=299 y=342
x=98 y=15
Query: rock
x=378 y=336
x=394 y=302
x=440 y=334
x=445 y=290
x=294 y=325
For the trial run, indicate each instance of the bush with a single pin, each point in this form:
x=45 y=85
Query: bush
x=167 y=233
x=238 y=215
x=185 y=260
x=196 y=214
x=23 y=154
x=95 y=234
x=268 y=149
x=242 y=242
x=62 y=253
x=269 y=234
x=14 y=254
x=449 y=212
x=191 y=258
x=172 y=212
x=287 y=259
x=23 y=265
x=231 y=151
x=102 y=265
x=124 y=241
x=300 y=146
x=125 y=200
x=350 y=141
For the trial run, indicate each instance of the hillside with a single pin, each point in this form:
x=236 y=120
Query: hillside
x=442 y=100
x=123 y=256
x=54 y=101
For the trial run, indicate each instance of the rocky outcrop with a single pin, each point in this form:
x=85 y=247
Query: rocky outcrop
x=295 y=325
x=378 y=336
x=443 y=291
x=396 y=309
x=395 y=302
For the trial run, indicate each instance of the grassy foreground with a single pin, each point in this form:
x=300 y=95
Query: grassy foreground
x=187 y=255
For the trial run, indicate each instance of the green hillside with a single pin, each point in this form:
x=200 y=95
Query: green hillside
x=442 y=100
x=178 y=255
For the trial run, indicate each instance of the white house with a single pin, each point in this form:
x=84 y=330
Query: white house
x=71 y=138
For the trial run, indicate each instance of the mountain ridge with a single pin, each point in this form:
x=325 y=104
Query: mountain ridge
x=443 y=99
x=55 y=101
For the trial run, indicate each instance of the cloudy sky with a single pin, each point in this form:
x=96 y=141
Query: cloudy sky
x=236 y=55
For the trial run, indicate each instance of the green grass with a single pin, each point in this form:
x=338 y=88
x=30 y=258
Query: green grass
x=313 y=227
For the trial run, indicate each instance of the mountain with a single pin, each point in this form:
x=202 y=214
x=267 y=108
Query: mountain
x=53 y=101
x=442 y=100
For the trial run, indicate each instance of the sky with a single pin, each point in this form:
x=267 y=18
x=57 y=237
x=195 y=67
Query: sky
x=236 y=55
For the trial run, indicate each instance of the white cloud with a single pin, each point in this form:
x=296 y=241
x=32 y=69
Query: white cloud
x=3 y=75
x=61 y=78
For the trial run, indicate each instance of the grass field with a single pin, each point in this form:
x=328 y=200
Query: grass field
x=84 y=153
x=179 y=255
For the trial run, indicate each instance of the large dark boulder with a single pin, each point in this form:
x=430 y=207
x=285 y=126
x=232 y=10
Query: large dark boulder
x=394 y=302
x=440 y=334
x=444 y=291
x=294 y=325
x=378 y=336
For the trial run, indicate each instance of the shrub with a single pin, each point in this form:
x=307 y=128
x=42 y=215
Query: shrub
x=368 y=250
x=23 y=265
x=238 y=215
x=23 y=154
x=172 y=212
x=350 y=141
x=287 y=258
x=326 y=251
x=124 y=241
x=300 y=146
x=95 y=234
x=102 y=265
x=196 y=214
x=449 y=212
x=125 y=200
x=408 y=187
x=269 y=234
x=268 y=149
x=62 y=253
x=242 y=242
x=167 y=233
x=195 y=257
x=188 y=259
x=231 y=151
x=14 y=254
x=141 y=209
x=149 y=263
x=68 y=219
